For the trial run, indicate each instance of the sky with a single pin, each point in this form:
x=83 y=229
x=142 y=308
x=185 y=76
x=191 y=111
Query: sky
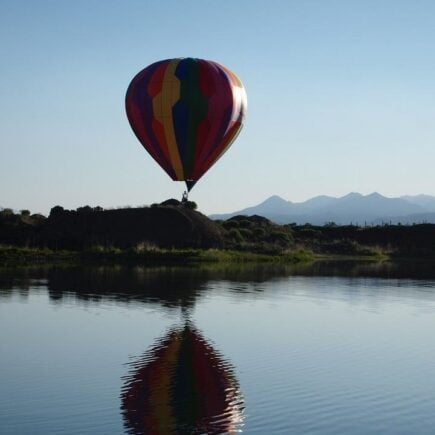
x=341 y=98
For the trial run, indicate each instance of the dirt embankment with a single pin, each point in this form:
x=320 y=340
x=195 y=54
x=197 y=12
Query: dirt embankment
x=162 y=226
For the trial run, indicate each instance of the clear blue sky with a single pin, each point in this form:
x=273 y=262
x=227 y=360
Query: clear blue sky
x=341 y=97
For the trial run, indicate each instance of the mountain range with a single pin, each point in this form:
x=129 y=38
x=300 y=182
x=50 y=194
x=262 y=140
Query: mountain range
x=353 y=208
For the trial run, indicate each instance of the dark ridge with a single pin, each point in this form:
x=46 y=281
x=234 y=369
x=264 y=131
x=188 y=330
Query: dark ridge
x=165 y=226
x=179 y=226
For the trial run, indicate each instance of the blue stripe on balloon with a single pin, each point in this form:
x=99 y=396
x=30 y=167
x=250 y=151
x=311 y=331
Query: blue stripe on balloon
x=180 y=117
x=181 y=70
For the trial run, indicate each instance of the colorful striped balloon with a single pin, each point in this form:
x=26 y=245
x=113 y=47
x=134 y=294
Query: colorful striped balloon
x=186 y=113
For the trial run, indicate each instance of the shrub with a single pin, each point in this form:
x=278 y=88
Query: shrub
x=280 y=237
x=84 y=210
x=235 y=235
x=171 y=202
x=57 y=210
x=7 y=212
x=230 y=224
x=245 y=233
x=191 y=205
x=259 y=233
x=244 y=223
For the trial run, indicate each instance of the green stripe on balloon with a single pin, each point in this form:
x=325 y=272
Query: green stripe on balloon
x=197 y=106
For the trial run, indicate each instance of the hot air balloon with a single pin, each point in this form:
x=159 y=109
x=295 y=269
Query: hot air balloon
x=181 y=386
x=186 y=113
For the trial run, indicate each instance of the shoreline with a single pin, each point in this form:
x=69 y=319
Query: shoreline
x=12 y=256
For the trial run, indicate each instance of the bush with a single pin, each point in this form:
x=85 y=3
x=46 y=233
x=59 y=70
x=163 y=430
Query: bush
x=245 y=233
x=230 y=224
x=235 y=235
x=171 y=202
x=7 y=212
x=280 y=237
x=57 y=210
x=191 y=205
x=259 y=233
x=244 y=223
x=84 y=210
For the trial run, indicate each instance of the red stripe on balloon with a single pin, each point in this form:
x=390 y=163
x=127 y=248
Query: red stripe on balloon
x=223 y=146
x=156 y=81
x=201 y=137
x=135 y=114
x=218 y=106
x=209 y=379
x=206 y=84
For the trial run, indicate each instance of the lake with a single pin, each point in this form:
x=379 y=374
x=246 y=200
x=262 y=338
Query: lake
x=329 y=348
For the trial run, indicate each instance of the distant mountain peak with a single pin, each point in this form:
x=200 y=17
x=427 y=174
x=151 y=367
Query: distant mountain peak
x=275 y=201
x=353 y=195
x=274 y=198
x=376 y=195
x=353 y=207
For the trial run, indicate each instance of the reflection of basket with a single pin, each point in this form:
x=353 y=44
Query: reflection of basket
x=183 y=386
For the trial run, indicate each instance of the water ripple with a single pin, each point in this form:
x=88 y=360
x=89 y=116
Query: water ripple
x=181 y=386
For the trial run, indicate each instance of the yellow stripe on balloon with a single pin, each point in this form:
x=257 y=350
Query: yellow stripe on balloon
x=162 y=108
x=160 y=394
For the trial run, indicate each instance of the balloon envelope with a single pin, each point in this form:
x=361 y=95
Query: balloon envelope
x=186 y=113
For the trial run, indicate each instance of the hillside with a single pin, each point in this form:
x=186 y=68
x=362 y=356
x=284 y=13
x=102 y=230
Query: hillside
x=171 y=225
x=163 y=226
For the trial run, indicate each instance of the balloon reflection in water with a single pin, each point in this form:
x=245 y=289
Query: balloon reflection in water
x=183 y=386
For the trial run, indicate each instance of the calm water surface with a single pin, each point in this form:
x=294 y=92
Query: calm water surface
x=322 y=349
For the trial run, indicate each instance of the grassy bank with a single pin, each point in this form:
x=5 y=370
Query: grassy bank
x=22 y=256
x=162 y=233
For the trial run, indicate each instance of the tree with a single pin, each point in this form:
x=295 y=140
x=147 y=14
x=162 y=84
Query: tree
x=192 y=205
x=57 y=210
x=85 y=209
x=7 y=212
